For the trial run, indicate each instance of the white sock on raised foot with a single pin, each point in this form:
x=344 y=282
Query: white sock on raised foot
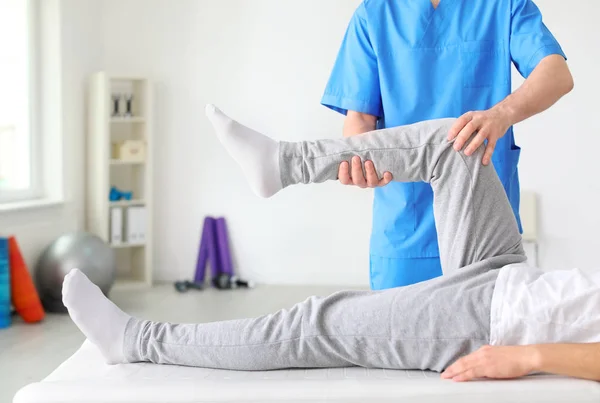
x=101 y=321
x=257 y=154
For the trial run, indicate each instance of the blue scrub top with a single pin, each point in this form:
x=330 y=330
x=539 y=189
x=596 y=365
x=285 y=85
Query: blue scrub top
x=404 y=61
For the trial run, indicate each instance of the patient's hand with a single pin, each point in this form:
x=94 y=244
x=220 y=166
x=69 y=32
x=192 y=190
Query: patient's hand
x=355 y=176
x=499 y=362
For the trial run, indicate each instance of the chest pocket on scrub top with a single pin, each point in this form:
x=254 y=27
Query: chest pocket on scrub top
x=481 y=64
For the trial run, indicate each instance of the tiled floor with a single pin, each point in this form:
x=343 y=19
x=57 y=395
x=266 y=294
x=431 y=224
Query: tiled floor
x=30 y=352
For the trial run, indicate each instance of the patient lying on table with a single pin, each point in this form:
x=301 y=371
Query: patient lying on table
x=489 y=315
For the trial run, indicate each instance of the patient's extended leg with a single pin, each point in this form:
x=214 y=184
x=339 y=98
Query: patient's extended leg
x=423 y=326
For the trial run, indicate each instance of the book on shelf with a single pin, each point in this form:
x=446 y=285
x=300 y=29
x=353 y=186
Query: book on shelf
x=136 y=224
x=116 y=225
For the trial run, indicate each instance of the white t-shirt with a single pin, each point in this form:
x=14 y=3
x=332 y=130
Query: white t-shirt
x=531 y=306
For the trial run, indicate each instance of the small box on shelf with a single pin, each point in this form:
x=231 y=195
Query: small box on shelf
x=129 y=151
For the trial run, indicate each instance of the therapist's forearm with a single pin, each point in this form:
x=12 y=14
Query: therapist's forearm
x=359 y=123
x=549 y=82
x=575 y=360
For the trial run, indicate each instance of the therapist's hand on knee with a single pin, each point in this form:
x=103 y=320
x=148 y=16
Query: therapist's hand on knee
x=353 y=174
x=490 y=126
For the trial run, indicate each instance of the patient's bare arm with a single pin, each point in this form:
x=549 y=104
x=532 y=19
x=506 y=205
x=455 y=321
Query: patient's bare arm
x=576 y=360
x=504 y=362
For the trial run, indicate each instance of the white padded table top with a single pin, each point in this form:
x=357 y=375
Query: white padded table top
x=84 y=378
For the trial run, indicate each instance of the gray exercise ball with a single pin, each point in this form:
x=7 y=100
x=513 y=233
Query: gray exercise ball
x=79 y=250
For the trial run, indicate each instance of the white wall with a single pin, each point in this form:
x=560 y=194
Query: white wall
x=266 y=62
x=73 y=28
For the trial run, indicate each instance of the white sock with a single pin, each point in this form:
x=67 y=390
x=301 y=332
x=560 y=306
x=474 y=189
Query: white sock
x=257 y=154
x=101 y=321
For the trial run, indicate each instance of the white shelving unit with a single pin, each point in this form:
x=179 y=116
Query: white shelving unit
x=105 y=170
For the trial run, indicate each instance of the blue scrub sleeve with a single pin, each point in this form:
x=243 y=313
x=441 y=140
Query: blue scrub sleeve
x=354 y=81
x=530 y=39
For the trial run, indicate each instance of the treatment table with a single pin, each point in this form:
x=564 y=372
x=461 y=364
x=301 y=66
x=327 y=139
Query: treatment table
x=85 y=378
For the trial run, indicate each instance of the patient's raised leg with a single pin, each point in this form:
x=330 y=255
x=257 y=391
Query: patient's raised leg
x=474 y=219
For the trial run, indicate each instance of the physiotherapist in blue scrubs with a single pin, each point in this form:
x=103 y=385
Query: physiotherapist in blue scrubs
x=404 y=61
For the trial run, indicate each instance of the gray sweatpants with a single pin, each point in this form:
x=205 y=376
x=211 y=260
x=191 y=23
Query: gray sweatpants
x=422 y=326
